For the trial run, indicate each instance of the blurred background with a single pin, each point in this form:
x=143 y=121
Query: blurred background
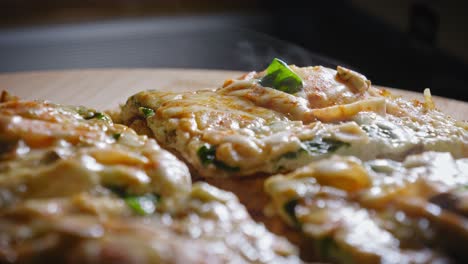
x=407 y=44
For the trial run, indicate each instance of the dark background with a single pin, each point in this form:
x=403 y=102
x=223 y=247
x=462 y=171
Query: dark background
x=407 y=44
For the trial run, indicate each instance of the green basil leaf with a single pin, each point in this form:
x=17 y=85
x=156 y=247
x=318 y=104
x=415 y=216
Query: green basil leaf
x=207 y=155
x=323 y=146
x=146 y=112
x=224 y=166
x=280 y=77
x=97 y=115
x=116 y=136
x=315 y=146
x=376 y=131
x=142 y=205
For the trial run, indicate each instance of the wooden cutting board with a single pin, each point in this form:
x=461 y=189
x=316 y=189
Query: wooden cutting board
x=107 y=88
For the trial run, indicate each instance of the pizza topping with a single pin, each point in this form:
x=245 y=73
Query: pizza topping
x=207 y=193
x=349 y=132
x=116 y=136
x=428 y=102
x=98 y=115
x=252 y=131
x=348 y=111
x=142 y=205
x=96 y=192
x=406 y=209
x=146 y=112
x=357 y=157
x=207 y=155
x=290 y=105
x=356 y=80
x=280 y=77
x=322 y=145
x=342 y=173
x=84 y=112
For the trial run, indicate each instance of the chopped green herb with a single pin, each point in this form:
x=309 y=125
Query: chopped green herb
x=378 y=131
x=84 y=112
x=280 y=77
x=207 y=155
x=316 y=146
x=290 y=209
x=224 y=166
x=323 y=146
x=116 y=136
x=100 y=116
x=97 y=115
x=142 y=205
x=146 y=112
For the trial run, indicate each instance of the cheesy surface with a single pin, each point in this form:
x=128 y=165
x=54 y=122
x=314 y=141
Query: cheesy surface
x=379 y=211
x=359 y=175
x=76 y=188
x=365 y=176
x=244 y=128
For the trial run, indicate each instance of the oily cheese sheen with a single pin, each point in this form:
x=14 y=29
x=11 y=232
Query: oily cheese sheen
x=348 y=172
x=243 y=128
x=379 y=211
x=77 y=188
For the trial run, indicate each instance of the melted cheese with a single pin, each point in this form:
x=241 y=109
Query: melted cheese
x=351 y=203
x=254 y=128
x=348 y=144
x=80 y=185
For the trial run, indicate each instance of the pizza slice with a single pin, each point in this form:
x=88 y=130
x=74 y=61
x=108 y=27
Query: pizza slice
x=285 y=117
x=379 y=211
x=76 y=188
x=359 y=158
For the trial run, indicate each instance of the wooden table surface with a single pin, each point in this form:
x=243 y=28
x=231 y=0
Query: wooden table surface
x=107 y=88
